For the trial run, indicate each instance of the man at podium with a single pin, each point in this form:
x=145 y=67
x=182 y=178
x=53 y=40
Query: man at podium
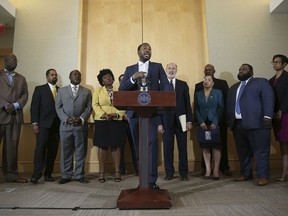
x=156 y=79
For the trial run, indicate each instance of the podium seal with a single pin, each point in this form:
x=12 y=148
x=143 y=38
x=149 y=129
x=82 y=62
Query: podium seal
x=144 y=98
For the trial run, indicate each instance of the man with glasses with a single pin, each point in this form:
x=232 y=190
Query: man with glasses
x=13 y=97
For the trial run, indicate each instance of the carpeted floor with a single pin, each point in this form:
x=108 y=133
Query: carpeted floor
x=193 y=197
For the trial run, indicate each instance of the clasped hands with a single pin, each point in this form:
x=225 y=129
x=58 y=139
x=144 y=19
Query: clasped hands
x=111 y=116
x=10 y=108
x=205 y=127
x=75 y=121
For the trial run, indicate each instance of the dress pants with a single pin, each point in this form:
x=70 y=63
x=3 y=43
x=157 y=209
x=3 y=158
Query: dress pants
x=46 y=150
x=252 y=143
x=168 y=146
x=10 y=134
x=74 y=141
x=132 y=149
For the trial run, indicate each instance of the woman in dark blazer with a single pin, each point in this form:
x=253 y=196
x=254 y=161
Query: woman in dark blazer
x=279 y=82
x=208 y=107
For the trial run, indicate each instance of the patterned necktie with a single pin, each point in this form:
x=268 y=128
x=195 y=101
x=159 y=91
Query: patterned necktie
x=54 y=92
x=171 y=87
x=243 y=83
x=10 y=76
x=74 y=91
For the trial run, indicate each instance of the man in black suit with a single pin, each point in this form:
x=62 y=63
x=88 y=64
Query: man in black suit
x=45 y=125
x=223 y=86
x=177 y=122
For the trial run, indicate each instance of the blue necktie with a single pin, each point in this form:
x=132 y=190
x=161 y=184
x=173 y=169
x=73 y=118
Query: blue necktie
x=243 y=83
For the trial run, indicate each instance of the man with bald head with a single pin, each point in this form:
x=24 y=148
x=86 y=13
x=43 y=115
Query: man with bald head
x=223 y=86
x=172 y=125
x=13 y=98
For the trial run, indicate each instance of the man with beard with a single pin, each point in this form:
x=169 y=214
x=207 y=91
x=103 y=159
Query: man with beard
x=45 y=125
x=250 y=106
x=73 y=106
x=158 y=80
x=13 y=97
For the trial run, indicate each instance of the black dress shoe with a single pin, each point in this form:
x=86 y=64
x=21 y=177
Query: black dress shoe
x=184 y=178
x=82 y=180
x=34 y=180
x=64 y=181
x=168 y=178
x=49 y=178
x=154 y=186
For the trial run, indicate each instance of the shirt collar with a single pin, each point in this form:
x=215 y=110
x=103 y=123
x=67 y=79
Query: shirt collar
x=74 y=85
x=12 y=73
x=141 y=63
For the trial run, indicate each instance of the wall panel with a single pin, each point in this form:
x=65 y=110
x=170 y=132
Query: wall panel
x=112 y=30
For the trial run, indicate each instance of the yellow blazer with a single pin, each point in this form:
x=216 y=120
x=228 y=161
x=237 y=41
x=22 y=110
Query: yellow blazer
x=102 y=105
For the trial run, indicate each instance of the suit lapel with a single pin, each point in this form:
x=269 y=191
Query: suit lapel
x=5 y=78
x=247 y=85
x=150 y=69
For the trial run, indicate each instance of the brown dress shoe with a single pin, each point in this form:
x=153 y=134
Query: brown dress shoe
x=242 y=178
x=21 y=180
x=262 y=181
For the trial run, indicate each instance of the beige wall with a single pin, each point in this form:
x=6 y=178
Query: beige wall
x=245 y=31
x=47 y=36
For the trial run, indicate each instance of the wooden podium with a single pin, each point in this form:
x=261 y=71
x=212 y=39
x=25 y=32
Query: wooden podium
x=144 y=104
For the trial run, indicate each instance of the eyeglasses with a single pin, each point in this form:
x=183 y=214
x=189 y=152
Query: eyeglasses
x=12 y=60
x=276 y=62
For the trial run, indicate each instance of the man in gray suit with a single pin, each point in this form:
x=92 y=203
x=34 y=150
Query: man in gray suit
x=73 y=106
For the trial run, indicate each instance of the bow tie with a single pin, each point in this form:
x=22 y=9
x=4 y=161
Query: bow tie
x=11 y=73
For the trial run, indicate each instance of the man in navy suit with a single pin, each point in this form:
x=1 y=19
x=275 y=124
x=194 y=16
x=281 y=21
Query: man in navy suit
x=158 y=80
x=223 y=86
x=250 y=106
x=171 y=124
x=45 y=125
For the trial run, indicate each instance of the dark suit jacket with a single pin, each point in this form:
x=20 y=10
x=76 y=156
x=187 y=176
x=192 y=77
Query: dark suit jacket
x=43 y=106
x=183 y=105
x=17 y=92
x=281 y=92
x=67 y=106
x=221 y=85
x=155 y=73
x=212 y=109
x=257 y=101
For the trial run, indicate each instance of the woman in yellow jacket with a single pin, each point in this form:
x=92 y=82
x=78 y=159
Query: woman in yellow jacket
x=109 y=129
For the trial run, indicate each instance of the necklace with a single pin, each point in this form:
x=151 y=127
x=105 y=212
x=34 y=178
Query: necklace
x=110 y=93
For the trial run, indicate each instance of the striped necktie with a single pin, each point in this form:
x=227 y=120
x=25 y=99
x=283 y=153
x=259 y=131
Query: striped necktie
x=74 y=91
